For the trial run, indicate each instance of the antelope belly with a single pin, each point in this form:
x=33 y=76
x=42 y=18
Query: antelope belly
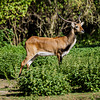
x=45 y=54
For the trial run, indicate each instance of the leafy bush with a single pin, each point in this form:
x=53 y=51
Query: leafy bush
x=6 y=37
x=80 y=69
x=89 y=40
x=38 y=17
x=83 y=68
x=10 y=60
x=44 y=81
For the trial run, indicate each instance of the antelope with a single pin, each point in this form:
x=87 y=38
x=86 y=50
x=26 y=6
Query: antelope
x=58 y=46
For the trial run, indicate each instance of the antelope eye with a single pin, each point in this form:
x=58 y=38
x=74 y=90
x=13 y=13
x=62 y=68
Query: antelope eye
x=76 y=26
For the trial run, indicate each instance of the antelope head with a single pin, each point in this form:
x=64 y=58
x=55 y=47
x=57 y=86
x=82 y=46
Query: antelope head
x=76 y=26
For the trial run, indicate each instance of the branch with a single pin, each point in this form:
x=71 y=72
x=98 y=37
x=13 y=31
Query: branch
x=36 y=15
x=49 y=2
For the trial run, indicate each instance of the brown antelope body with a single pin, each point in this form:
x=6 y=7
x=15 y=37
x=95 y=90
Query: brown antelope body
x=44 y=46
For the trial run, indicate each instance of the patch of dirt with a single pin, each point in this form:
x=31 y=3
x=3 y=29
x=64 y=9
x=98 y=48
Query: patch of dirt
x=7 y=84
x=7 y=89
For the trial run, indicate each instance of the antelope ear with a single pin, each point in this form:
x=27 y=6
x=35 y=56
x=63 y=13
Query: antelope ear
x=82 y=23
x=73 y=24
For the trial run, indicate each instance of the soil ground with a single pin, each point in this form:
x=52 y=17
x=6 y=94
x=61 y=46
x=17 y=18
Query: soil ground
x=8 y=91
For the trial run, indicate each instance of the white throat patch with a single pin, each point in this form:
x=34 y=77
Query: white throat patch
x=66 y=52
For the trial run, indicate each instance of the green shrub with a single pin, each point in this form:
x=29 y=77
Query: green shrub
x=80 y=69
x=83 y=68
x=43 y=78
x=10 y=60
x=6 y=37
x=44 y=81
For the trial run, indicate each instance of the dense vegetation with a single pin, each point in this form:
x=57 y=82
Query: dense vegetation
x=10 y=60
x=20 y=19
x=80 y=71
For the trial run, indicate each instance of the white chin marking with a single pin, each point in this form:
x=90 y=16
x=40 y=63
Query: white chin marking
x=45 y=54
x=82 y=32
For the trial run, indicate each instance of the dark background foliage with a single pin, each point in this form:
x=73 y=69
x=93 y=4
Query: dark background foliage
x=20 y=19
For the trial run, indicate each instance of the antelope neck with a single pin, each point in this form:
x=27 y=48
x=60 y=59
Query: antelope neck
x=71 y=35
